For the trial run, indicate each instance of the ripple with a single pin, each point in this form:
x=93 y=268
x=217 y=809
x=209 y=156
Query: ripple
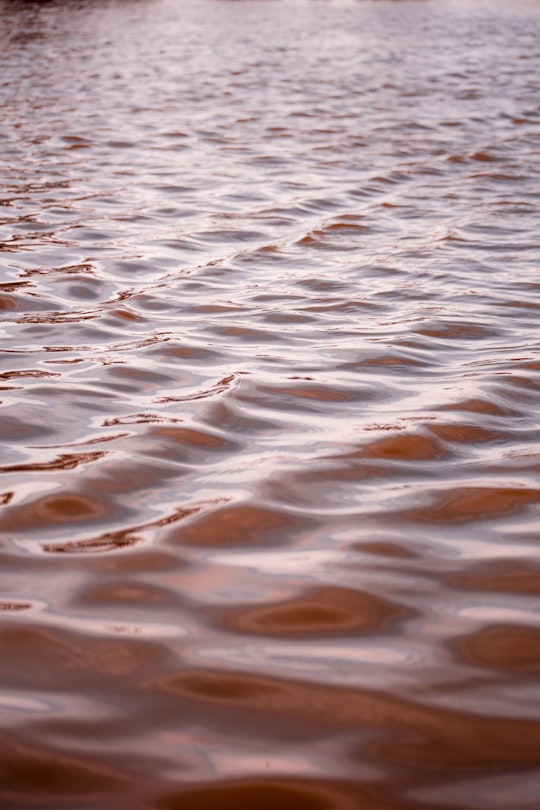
x=236 y=525
x=269 y=405
x=263 y=793
x=476 y=503
x=318 y=612
x=53 y=510
x=507 y=648
x=30 y=772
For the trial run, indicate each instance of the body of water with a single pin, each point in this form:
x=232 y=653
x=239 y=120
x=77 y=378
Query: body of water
x=269 y=406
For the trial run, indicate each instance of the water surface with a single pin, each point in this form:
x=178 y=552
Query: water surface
x=270 y=405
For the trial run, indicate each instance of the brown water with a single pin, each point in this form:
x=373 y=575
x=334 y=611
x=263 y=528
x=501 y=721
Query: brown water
x=270 y=405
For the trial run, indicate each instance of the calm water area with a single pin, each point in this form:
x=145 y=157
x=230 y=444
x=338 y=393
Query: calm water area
x=270 y=405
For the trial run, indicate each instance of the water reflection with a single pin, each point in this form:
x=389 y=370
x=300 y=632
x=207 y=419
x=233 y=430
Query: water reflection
x=268 y=486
